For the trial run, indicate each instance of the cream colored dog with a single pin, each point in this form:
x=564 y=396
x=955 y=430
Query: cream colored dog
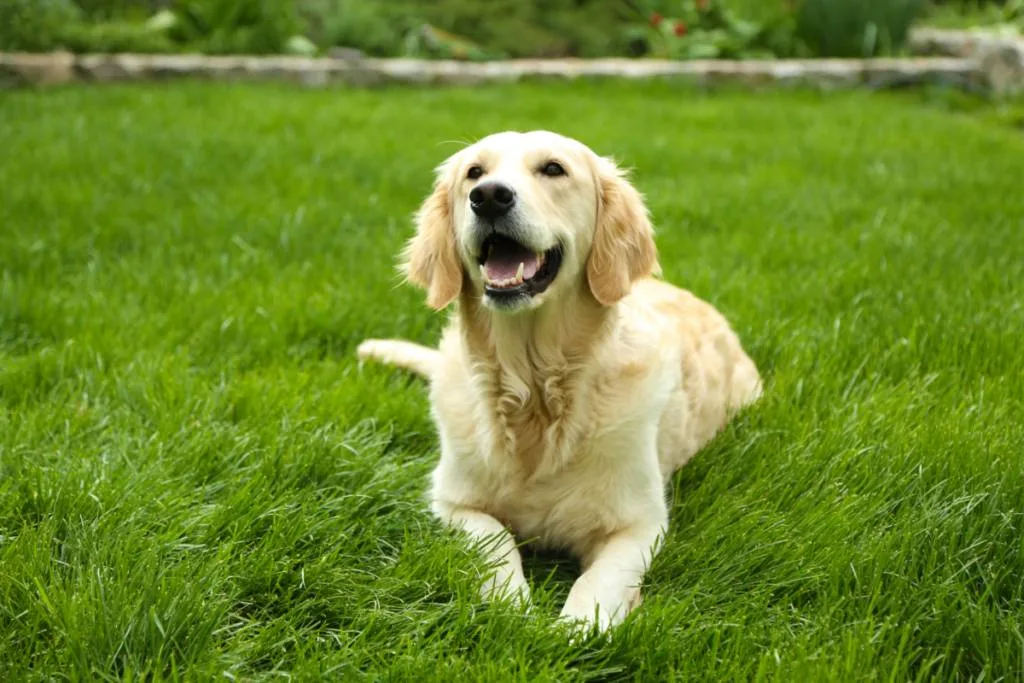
x=569 y=384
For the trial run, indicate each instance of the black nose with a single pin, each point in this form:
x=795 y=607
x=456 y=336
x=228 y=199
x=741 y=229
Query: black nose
x=491 y=200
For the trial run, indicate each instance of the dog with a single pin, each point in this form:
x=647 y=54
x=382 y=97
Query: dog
x=571 y=381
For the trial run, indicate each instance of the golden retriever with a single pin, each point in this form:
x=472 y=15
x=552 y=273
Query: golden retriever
x=570 y=383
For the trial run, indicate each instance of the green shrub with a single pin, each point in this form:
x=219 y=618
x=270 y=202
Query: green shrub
x=468 y=29
x=968 y=14
x=516 y=28
x=856 y=28
x=361 y=24
x=971 y=4
x=1013 y=10
x=236 y=26
x=587 y=28
x=116 y=36
x=107 y=10
x=713 y=29
x=528 y=28
x=35 y=25
x=430 y=42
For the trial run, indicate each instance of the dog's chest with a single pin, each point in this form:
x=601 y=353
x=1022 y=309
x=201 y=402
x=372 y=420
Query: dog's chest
x=548 y=469
x=587 y=497
x=541 y=432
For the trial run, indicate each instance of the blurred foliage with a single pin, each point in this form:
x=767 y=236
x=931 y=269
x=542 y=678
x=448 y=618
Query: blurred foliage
x=106 y=10
x=115 y=36
x=236 y=26
x=431 y=42
x=474 y=29
x=35 y=25
x=516 y=28
x=988 y=14
x=715 y=29
x=856 y=28
x=353 y=23
x=969 y=5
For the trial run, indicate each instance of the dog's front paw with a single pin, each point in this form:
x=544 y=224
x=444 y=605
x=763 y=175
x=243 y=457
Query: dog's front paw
x=506 y=586
x=584 y=619
x=586 y=611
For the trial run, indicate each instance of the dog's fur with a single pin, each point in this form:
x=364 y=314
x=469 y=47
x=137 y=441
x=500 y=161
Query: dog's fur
x=562 y=420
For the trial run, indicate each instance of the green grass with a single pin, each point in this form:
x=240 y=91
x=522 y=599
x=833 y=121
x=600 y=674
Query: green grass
x=198 y=482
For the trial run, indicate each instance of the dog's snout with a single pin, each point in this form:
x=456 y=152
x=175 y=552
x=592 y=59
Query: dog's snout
x=491 y=200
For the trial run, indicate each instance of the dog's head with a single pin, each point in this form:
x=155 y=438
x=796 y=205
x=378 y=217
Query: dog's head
x=523 y=217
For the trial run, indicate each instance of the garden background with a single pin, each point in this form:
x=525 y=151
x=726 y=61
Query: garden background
x=198 y=481
x=492 y=30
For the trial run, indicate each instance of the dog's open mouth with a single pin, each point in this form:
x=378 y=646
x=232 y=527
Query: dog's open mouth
x=510 y=269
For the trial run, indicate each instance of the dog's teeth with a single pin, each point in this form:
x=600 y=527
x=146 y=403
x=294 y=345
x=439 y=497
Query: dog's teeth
x=519 y=273
x=483 y=272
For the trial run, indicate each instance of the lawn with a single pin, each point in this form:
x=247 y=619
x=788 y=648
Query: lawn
x=197 y=480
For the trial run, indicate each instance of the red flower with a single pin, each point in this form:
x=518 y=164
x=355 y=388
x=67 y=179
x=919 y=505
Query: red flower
x=656 y=18
x=702 y=5
x=679 y=29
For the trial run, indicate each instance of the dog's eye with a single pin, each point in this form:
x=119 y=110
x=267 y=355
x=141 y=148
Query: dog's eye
x=475 y=172
x=552 y=169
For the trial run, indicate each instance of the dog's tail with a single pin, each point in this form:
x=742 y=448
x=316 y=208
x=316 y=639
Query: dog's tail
x=414 y=357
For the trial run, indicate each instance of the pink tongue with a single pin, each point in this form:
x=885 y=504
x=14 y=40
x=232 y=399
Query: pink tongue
x=504 y=259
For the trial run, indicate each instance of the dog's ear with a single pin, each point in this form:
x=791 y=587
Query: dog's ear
x=623 y=250
x=430 y=259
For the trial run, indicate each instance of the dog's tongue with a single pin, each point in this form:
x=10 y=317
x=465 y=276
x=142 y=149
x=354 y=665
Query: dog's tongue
x=503 y=261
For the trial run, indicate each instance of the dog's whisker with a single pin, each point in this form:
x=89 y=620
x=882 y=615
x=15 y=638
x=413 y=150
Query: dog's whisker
x=460 y=143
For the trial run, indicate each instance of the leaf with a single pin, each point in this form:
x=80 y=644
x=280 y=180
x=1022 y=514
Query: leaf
x=300 y=45
x=703 y=51
x=162 y=21
x=746 y=29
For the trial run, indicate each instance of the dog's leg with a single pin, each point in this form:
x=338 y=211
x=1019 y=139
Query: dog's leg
x=508 y=580
x=609 y=588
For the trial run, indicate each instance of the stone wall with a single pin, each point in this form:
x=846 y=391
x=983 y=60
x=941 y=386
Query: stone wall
x=998 y=54
x=973 y=63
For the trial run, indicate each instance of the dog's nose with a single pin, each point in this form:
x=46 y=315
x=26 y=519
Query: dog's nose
x=491 y=200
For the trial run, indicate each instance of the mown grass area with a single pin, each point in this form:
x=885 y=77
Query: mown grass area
x=197 y=481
